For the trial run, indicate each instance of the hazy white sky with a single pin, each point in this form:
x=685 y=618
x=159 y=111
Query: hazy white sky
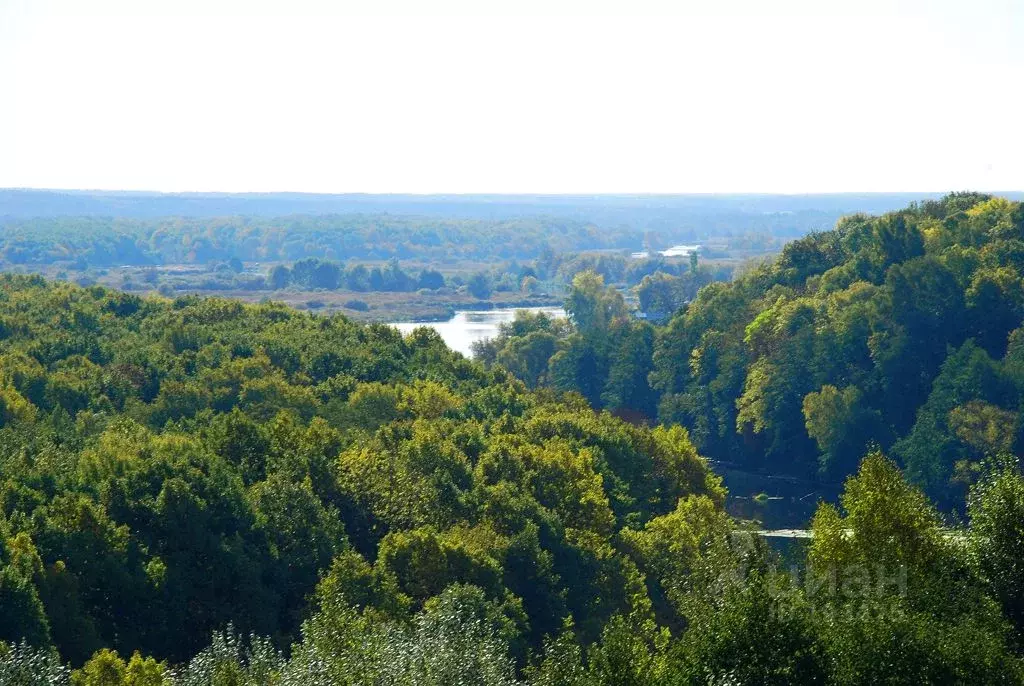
x=527 y=96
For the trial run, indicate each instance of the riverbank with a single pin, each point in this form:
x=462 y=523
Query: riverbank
x=386 y=307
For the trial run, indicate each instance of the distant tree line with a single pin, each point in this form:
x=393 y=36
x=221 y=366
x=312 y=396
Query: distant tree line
x=312 y=273
x=561 y=247
x=103 y=242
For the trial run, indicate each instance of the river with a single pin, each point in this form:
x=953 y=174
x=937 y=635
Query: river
x=468 y=326
x=778 y=502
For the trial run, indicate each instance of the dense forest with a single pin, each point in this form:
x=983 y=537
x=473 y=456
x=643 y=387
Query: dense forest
x=197 y=491
x=901 y=331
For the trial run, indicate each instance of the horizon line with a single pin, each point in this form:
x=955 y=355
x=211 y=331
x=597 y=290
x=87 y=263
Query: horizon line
x=511 y=194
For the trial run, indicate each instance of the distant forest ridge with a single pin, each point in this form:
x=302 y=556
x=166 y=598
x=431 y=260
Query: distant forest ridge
x=795 y=214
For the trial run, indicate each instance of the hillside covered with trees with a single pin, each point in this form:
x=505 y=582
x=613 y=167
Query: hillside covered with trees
x=197 y=491
x=901 y=331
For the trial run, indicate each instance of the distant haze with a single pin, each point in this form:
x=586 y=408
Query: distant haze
x=564 y=96
x=790 y=215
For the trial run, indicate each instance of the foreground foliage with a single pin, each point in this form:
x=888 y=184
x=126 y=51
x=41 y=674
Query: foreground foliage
x=169 y=467
x=336 y=504
x=886 y=596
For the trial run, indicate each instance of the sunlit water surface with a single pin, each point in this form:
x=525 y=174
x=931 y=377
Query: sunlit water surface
x=467 y=327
